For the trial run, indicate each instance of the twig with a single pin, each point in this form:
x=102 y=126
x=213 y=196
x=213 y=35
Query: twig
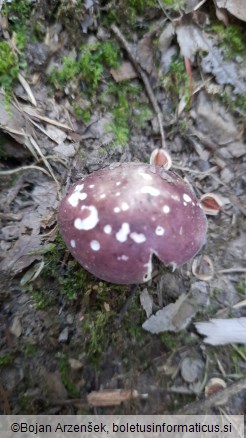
x=231 y=270
x=199 y=406
x=145 y=80
x=21 y=169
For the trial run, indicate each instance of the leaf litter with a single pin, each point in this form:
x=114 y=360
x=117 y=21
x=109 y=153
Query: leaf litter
x=30 y=215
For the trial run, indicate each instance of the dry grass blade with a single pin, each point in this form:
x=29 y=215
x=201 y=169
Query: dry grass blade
x=45 y=161
x=34 y=115
x=22 y=169
x=27 y=89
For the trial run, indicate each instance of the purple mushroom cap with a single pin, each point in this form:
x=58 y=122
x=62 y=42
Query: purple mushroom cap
x=115 y=219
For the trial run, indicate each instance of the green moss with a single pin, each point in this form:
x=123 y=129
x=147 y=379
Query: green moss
x=18 y=10
x=26 y=405
x=6 y=360
x=235 y=103
x=65 y=371
x=30 y=349
x=241 y=288
x=82 y=114
x=169 y=340
x=88 y=68
x=42 y=299
x=124 y=98
x=72 y=282
x=174 y=4
x=127 y=12
x=9 y=68
x=231 y=38
x=175 y=82
x=97 y=329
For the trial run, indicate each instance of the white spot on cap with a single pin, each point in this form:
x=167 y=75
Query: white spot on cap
x=116 y=209
x=102 y=196
x=186 y=198
x=107 y=229
x=123 y=257
x=90 y=221
x=138 y=237
x=124 y=206
x=91 y=186
x=175 y=197
x=159 y=231
x=185 y=203
x=79 y=187
x=150 y=190
x=166 y=209
x=95 y=245
x=117 y=194
x=123 y=232
x=181 y=231
x=118 y=183
x=73 y=243
x=146 y=176
x=76 y=197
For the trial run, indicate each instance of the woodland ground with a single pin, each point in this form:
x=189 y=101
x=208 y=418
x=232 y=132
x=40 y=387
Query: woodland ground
x=65 y=110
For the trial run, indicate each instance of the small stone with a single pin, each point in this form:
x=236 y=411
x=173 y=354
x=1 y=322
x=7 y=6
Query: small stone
x=63 y=337
x=237 y=149
x=191 y=369
x=70 y=319
x=227 y=175
x=16 y=328
x=75 y=364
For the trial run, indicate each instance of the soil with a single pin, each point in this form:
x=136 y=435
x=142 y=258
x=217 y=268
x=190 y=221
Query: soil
x=60 y=337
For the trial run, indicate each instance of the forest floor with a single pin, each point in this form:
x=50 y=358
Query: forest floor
x=71 y=103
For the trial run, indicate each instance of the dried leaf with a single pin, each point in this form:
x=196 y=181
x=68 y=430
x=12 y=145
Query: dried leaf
x=18 y=257
x=235 y=7
x=27 y=89
x=145 y=53
x=169 y=318
x=124 y=72
x=192 y=39
x=223 y=331
x=146 y=301
x=13 y=122
x=56 y=134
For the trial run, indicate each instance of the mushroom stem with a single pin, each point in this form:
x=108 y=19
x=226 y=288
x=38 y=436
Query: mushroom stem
x=133 y=290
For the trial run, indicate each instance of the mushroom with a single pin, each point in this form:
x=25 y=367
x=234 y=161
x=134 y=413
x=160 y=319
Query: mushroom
x=115 y=219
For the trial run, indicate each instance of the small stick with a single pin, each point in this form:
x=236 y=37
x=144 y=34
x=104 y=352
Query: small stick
x=145 y=80
x=231 y=270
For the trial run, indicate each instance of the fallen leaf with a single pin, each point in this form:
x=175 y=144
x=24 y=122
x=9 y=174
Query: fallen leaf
x=146 y=301
x=124 y=72
x=56 y=134
x=192 y=39
x=223 y=331
x=191 y=369
x=145 y=52
x=18 y=257
x=235 y=7
x=164 y=319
